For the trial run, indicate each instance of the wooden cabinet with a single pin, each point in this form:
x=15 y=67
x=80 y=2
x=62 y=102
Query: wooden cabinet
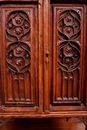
x=43 y=61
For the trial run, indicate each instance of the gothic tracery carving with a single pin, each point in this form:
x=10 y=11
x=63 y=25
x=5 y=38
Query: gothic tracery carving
x=68 y=29
x=18 y=46
x=69 y=45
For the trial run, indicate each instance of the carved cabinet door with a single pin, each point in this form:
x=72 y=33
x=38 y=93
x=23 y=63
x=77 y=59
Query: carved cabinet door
x=19 y=58
x=66 y=82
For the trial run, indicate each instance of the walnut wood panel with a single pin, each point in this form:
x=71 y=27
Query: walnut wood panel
x=67 y=52
x=66 y=56
x=19 y=47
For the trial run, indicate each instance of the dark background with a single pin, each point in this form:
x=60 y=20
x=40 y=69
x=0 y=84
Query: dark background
x=43 y=124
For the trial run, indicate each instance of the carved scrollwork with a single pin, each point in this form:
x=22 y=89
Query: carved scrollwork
x=69 y=45
x=18 y=47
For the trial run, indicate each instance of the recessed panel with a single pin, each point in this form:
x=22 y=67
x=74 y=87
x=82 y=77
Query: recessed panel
x=19 y=56
x=67 y=44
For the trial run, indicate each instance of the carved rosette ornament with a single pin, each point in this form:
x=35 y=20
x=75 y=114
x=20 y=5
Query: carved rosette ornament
x=17 y=34
x=69 y=45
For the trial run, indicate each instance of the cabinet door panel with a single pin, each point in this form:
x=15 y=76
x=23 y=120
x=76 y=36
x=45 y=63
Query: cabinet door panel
x=19 y=56
x=67 y=58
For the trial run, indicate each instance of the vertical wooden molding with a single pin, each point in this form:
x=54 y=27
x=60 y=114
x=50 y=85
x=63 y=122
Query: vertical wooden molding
x=46 y=53
x=40 y=11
